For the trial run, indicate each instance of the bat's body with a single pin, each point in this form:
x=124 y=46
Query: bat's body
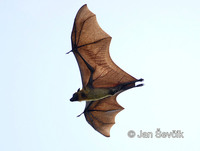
x=89 y=94
x=102 y=79
x=93 y=94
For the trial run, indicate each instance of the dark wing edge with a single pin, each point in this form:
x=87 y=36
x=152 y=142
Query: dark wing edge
x=101 y=114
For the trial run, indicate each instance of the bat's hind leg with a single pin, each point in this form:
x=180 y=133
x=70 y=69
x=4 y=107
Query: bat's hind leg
x=126 y=86
x=131 y=84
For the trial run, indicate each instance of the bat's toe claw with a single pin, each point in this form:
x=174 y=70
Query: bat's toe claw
x=140 y=80
x=139 y=85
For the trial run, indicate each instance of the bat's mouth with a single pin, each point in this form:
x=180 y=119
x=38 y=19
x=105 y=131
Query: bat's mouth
x=72 y=99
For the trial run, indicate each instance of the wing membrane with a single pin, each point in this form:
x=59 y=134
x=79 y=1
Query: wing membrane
x=101 y=114
x=93 y=45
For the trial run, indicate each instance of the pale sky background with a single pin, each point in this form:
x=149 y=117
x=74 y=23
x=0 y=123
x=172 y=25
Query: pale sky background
x=158 y=40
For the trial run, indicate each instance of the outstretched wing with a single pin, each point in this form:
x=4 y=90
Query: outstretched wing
x=93 y=45
x=101 y=114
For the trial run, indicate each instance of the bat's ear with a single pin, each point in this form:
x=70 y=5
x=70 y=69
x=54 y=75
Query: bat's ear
x=78 y=90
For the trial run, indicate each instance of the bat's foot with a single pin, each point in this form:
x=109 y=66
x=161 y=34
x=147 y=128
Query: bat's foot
x=129 y=85
x=139 y=80
x=126 y=86
x=139 y=85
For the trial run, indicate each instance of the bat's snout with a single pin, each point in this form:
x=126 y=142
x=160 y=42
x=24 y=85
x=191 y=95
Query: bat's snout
x=72 y=99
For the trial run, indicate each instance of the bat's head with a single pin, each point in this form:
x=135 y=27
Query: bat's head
x=78 y=96
x=75 y=96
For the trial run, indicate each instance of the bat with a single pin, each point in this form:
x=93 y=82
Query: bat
x=102 y=79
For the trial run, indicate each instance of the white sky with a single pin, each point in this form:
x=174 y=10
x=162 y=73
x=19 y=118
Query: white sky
x=156 y=40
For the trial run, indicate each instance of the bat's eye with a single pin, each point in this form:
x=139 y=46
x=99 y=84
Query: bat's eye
x=83 y=95
x=75 y=97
